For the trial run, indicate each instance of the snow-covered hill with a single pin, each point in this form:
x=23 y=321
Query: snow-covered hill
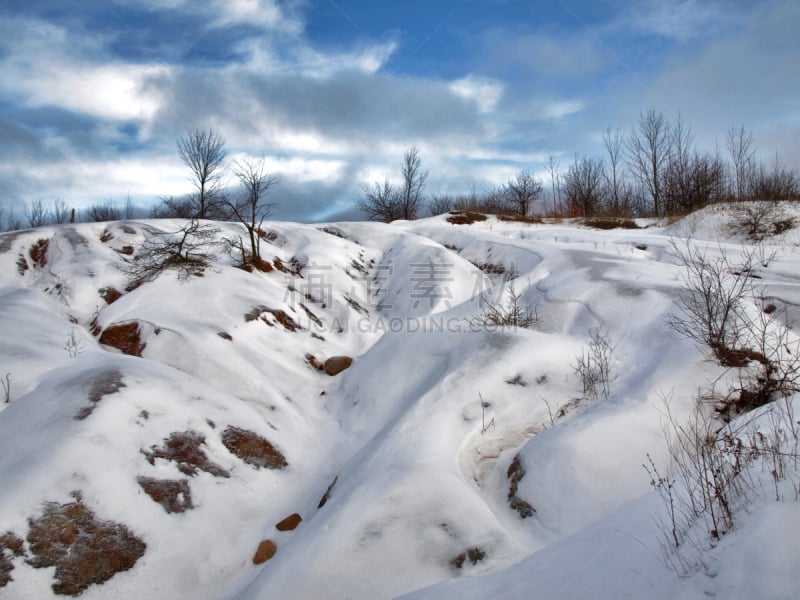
x=451 y=453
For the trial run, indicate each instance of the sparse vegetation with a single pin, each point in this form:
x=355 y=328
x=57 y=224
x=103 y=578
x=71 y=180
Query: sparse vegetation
x=593 y=366
x=252 y=449
x=509 y=312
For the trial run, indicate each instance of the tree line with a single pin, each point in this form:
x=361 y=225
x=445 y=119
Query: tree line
x=655 y=170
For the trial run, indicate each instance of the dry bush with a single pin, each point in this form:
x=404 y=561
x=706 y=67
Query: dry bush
x=593 y=366
x=511 y=312
x=610 y=223
x=465 y=217
x=760 y=220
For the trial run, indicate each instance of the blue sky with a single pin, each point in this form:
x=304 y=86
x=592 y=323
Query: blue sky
x=93 y=95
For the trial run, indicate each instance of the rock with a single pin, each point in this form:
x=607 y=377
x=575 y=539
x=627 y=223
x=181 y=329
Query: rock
x=290 y=523
x=125 y=337
x=266 y=550
x=336 y=364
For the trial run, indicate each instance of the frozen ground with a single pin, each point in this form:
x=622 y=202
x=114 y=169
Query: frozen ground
x=412 y=445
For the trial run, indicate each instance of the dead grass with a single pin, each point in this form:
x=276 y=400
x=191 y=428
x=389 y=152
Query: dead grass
x=103 y=384
x=490 y=268
x=314 y=318
x=184 y=449
x=253 y=449
x=174 y=496
x=327 y=495
x=9 y=544
x=38 y=253
x=125 y=337
x=259 y=313
x=473 y=555
x=83 y=549
x=110 y=294
x=515 y=473
x=531 y=220
x=465 y=217
x=609 y=223
x=294 y=266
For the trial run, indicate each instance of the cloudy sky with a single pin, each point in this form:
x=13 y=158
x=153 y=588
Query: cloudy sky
x=93 y=94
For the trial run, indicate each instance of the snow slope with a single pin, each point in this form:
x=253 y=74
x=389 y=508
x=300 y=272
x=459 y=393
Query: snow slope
x=412 y=445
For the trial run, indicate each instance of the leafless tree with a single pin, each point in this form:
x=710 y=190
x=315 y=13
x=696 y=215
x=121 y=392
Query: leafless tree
x=380 y=202
x=99 y=213
x=552 y=165
x=440 y=204
x=583 y=184
x=203 y=151
x=129 y=209
x=618 y=195
x=414 y=179
x=740 y=147
x=171 y=208
x=59 y=212
x=777 y=183
x=522 y=191
x=252 y=207
x=648 y=153
x=36 y=214
x=186 y=250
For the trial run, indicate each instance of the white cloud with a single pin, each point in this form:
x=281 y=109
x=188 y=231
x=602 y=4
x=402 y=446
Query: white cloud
x=486 y=93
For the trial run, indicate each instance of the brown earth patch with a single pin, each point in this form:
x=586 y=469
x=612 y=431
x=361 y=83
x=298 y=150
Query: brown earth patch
x=173 y=495
x=38 y=253
x=84 y=549
x=290 y=523
x=473 y=555
x=22 y=265
x=293 y=267
x=107 y=236
x=126 y=250
x=252 y=448
x=314 y=318
x=465 y=217
x=184 y=449
x=327 y=495
x=336 y=364
x=9 y=544
x=315 y=364
x=265 y=551
x=258 y=313
x=515 y=473
x=225 y=336
x=125 y=337
x=110 y=294
x=100 y=385
x=491 y=268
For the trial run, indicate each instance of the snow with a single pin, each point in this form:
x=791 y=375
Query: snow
x=418 y=433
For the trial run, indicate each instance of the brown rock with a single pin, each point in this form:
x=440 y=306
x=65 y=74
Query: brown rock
x=125 y=337
x=290 y=523
x=266 y=550
x=336 y=364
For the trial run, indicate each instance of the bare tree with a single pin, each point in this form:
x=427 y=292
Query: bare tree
x=740 y=147
x=380 y=202
x=647 y=155
x=440 y=204
x=779 y=183
x=414 y=179
x=185 y=250
x=59 y=213
x=618 y=196
x=583 y=184
x=522 y=191
x=252 y=207
x=36 y=214
x=552 y=165
x=171 y=208
x=99 y=213
x=203 y=151
x=129 y=209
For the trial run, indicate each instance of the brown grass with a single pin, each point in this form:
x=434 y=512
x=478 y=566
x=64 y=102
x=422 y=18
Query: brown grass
x=253 y=449
x=125 y=337
x=609 y=223
x=38 y=253
x=225 y=336
x=107 y=236
x=110 y=294
x=491 y=268
x=327 y=495
x=474 y=555
x=314 y=318
x=521 y=219
x=173 y=495
x=515 y=473
x=294 y=267
x=315 y=364
x=465 y=217
x=83 y=549
x=9 y=543
x=103 y=384
x=258 y=313
x=184 y=449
